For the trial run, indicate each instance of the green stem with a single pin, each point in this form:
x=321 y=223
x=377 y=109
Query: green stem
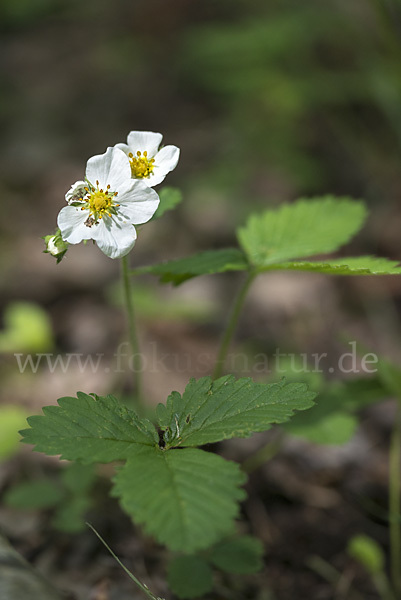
x=232 y=324
x=394 y=502
x=133 y=338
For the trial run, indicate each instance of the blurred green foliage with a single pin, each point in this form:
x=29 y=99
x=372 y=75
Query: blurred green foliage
x=368 y=552
x=69 y=496
x=27 y=329
x=12 y=419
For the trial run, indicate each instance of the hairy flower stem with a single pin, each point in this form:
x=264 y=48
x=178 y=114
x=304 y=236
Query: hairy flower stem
x=232 y=325
x=394 y=502
x=133 y=338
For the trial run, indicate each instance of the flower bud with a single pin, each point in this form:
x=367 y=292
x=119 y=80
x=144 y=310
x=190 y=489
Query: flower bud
x=55 y=245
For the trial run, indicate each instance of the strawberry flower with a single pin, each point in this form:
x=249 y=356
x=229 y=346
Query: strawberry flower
x=148 y=163
x=106 y=206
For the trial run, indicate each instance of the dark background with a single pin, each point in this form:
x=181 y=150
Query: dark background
x=269 y=102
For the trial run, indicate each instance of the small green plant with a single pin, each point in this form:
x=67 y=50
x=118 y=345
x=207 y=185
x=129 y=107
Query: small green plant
x=371 y=556
x=69 y=498
x=185 y=496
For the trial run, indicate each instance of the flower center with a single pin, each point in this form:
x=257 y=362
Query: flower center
x=141 y=165
x=99 y=203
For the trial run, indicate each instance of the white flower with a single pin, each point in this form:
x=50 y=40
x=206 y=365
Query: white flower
x=106 y=206
x=148 y=163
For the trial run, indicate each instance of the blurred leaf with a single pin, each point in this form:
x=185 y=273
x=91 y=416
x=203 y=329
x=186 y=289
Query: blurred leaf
x=322 y=425
x=359 y=265
x=186 y=498
x=240 y=555
x=70 y=515
x=34 y=495
x=368 y=552
x=304 y=228
x=189 y=576
x=390 y=376
x=153 y=303
x=27 y=329
x=12 y=418
x=78 y=478
x=169 y=199
x=88 y=429
x=331 y=420
x=211 y=261
x=211 y=411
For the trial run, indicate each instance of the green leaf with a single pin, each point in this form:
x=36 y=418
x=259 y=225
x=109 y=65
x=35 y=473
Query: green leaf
x=305 y=228
x=88 y=429
x=368 y=552
x=359 y=265
x=186 y=498
x=204 y=263
x=34 y=495
x=169 y=198
x=210 y=411
x=240 y=555
x=189 y=576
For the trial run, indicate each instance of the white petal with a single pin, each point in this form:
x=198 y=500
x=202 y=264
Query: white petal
x=165 y=161
x=114 y=236
x=111 y=168
x=71 y=221
x=138 y=202
x=123 y=147
x=144 y=140
x=76 y=191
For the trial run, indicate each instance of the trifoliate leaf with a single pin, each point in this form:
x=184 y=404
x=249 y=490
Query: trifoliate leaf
x=368 y=552
x=204 y=263
x=34 y=495
x=189 y=576
x=359 y=265
x=210 y=411
x=88 y=429
x=169 y=198
x=186 y=498
x=240 y=555
x=302 y=229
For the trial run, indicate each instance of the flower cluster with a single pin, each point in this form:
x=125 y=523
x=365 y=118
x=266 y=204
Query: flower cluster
x=117 y=194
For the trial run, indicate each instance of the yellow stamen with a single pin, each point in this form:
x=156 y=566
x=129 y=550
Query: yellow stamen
x=141 y=165
x=99 y=203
